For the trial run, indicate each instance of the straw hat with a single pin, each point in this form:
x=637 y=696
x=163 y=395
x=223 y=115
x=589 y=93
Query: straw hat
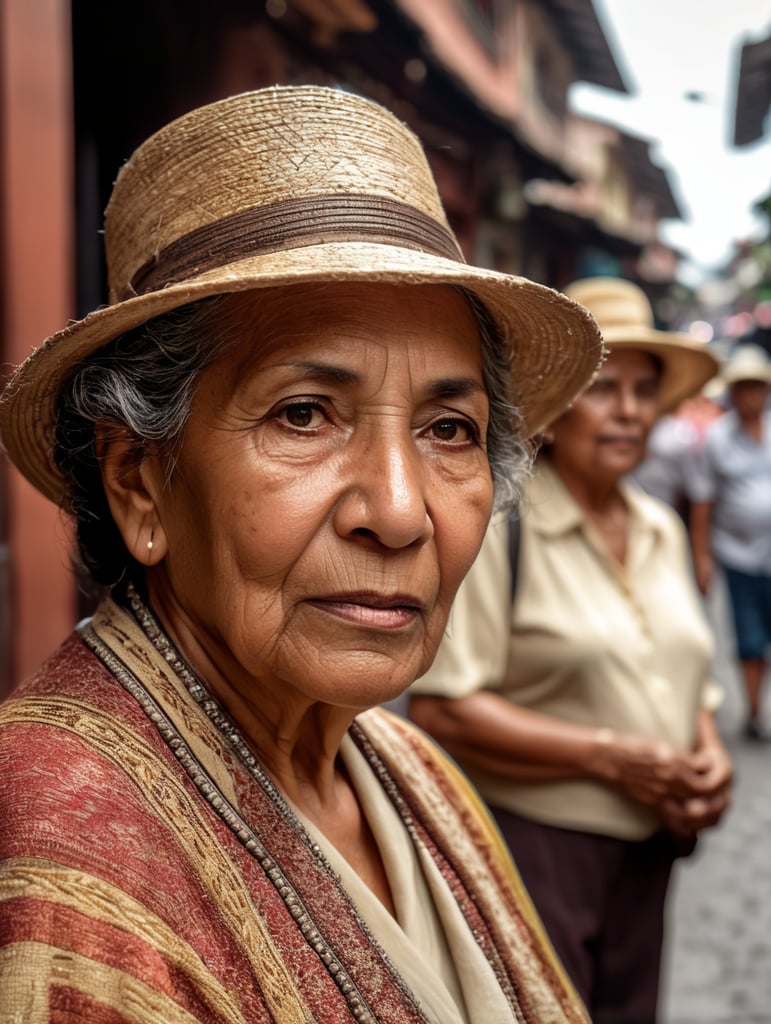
x=748 y=362
x=283 y=186
x=625 y=317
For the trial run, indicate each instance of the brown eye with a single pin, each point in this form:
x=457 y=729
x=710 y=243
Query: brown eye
x=451 y=430
x=603 y=386
x=300 y=414
x=648 y=390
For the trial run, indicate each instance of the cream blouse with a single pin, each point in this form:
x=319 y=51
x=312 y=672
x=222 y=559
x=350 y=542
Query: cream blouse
x=588 y=641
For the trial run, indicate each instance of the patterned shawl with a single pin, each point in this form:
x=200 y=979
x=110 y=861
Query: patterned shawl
x=151 y=872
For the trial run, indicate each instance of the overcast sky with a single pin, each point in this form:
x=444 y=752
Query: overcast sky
x=668 y=50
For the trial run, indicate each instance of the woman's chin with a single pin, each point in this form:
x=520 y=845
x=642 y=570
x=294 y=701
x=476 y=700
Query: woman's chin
x=376 y=693
x=367 y=691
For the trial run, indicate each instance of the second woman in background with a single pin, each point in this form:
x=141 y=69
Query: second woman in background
x=583 y=710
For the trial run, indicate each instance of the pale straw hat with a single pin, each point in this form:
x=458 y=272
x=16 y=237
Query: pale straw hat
x=747 y=362
x=625 y=317
x=277 y=187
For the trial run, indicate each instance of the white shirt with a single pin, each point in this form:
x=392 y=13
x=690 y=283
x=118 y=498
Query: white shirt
x=734 y=474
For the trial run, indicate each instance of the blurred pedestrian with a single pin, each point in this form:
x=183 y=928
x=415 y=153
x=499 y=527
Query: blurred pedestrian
x=582 y=710
x=731 y=518
x=674 y=446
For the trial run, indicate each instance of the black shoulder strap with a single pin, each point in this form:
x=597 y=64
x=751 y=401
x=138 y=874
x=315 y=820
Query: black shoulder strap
x=514 y=541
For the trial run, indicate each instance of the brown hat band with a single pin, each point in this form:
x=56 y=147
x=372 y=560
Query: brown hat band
x=295 y=223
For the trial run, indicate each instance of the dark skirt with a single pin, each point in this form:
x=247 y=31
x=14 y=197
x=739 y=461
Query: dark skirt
x=601 y=901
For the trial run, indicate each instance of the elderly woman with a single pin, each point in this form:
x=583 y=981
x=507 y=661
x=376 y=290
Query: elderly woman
x=582 y=710
x=279 y=443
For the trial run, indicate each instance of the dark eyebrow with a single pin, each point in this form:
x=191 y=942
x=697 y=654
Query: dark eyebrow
x=455 y=387
x=446 y=387
x=325 y=371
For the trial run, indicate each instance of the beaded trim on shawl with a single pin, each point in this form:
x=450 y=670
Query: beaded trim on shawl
x=246 y=834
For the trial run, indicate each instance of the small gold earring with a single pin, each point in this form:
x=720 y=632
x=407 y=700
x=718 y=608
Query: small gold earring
x=150 y=542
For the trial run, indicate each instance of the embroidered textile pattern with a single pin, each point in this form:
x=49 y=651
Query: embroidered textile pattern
x=214 y=798
x=152 y=871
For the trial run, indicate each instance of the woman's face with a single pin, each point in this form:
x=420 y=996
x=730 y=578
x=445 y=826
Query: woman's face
x=331 y=492
x=603 y=435
x=749 y=397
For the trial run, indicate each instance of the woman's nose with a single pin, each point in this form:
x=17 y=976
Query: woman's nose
x=629 y=403
x=385 y=496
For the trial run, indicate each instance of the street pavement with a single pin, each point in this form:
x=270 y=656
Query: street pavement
x=717 y=960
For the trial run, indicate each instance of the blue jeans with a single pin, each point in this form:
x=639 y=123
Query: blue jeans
x=751 y=607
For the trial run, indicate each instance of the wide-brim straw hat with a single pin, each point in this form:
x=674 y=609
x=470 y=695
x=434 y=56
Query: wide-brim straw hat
x=284 y=186
x=625 y=317
x=747 y=362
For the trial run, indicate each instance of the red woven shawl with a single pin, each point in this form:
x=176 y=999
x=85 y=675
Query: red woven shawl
x=149 y=872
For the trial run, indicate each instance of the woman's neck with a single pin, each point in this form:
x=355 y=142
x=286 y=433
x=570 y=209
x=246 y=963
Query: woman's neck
x=594 y=495
x=605 y=508
x=297 y=740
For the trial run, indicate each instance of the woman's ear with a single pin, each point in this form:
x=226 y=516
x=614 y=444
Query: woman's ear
x=133 y=482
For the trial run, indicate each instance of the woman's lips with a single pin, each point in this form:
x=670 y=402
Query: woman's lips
x=373 y=610
x=621 y=441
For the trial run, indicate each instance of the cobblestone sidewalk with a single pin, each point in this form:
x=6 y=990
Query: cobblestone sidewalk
x=718 y=957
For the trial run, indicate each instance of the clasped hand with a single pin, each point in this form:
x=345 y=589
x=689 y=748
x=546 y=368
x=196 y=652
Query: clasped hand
x=689 y=790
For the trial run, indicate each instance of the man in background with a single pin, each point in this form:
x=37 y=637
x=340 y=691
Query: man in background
x=731 y=517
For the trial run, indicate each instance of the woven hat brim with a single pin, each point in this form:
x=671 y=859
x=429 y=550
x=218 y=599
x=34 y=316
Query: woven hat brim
x=687 y=364
x=554 y=342
x=732 y=375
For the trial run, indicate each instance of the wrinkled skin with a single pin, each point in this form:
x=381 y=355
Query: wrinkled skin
x=331 y=491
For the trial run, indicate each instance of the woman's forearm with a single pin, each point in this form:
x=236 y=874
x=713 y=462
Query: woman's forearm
x=484 y=731
x=700 y=521
x=707 y=734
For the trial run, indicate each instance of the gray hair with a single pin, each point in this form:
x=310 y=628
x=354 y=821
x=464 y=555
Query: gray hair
x=145 y=381
x=509 y=453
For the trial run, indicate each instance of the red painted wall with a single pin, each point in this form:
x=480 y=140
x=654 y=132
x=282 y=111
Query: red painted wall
x=36 y=289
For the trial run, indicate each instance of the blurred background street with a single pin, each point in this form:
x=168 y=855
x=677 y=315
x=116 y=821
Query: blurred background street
x=569 y=138
x=719 y=951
